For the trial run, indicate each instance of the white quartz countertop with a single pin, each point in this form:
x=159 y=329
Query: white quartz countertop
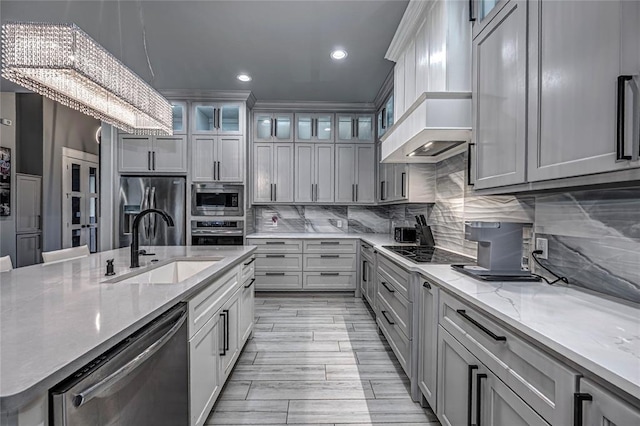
x=373 y=239
x=56 y=317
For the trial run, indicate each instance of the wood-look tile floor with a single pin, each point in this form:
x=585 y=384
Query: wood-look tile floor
x=317 y=360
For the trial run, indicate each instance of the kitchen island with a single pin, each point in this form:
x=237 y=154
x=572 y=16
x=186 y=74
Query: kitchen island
x=56 y=317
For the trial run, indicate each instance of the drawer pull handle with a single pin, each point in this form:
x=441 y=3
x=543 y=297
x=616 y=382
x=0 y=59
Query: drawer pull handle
x=479 y=378
x=329 y=274
x=578 y=399
x=274 y=274
x=490 y=333
x=384 y=314
x=250 y=284
x=384 y=284
x=250 y=262
x=329 y=256
x=274 y=255
x=470 y=394
x=426 y=285
x=329 y=243
x=274 y=242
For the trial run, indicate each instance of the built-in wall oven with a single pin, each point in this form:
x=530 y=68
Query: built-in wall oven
x=214 y=199
x=217 y=233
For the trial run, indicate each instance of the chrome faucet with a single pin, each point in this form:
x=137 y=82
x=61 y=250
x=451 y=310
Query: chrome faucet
x=135 y=242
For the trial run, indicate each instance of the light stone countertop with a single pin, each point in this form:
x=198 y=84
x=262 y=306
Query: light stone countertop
x=595 y=332
x=373 y=239
x=54 y=318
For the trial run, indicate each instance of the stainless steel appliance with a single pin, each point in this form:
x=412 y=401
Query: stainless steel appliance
x=214 y=199
x=404 y=234
x=499 y=251
x=163 y=193
x=143 y=380
x=428 y=254
x=217 y=233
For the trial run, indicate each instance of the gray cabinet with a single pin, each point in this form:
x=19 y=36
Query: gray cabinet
x=217 y=159
x=28 y=203
x=355 y=128
x=272 y=127
x=217 y=118
x=355 y=173
x=428 y=338
x=599 y=407
x=204 y=371
x=230 y=347
x=156 y=154
x=578 y=50
x=28 y=249
x=314 y=173
x=273 y=172
x=314 y=127
x=499 y=82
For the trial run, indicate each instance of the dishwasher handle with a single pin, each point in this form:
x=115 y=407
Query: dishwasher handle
x=89 y=393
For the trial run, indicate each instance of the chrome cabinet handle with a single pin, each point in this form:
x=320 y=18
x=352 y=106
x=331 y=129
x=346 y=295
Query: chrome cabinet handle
x=463 y=313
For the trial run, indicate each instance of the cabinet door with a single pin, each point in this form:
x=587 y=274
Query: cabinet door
x=230 y=158
x=398 y=89
x=457 y=369
x=247 y=303
x=364 y=128
x=324 y=127
x=202 y=158
x=401 y=177
x=283 y=173
x=604 y=408
x=428 y=329
x=230 y=338
x=179 y=113
x=304 y=173
x=203 y=118
x=28 y=250
x=345 y=173
x=29 y=202
x=134 y=153
x=574 y=97
x=204 y=371
x=345 y=125
x=365 y=174
x=262 y=127
x=499 y=84
x=169 y=154
x=229 y=118
x=410 y=75
x=305 y=127
x=263 y=172
x=283 y=127
x=324 y=173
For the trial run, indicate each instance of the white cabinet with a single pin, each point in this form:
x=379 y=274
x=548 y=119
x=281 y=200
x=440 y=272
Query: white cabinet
x=428 y=338
x=355 y=128
x=273 y=172
x=596 y=406
x=179 y=113
x=499 y=98
x=314 y=173
x=28 y=249
x=28 y=203
x=314 y=127
x=144 y=154
x=230 y=328
x=398 y=88
x=204 y=371
x=217 y=118
x=272 y=127
x=217 y=158
x=578 y=51
x=355 y=173
x=247 y=303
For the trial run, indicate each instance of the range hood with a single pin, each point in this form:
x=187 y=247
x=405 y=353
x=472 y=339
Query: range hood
x=435 y=127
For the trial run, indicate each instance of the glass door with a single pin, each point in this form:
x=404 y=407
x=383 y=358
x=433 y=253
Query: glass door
x=80 y=203
x=228 y=119
x=324 y=127
x=179 y=110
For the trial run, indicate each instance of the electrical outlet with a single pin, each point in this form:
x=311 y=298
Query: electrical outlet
x=339 y=224
x=542 y=244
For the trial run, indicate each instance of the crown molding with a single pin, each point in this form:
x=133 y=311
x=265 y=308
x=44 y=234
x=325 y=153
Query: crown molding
x=315 y=106
x=385 y=90
x=206 y=95
x=410 y=22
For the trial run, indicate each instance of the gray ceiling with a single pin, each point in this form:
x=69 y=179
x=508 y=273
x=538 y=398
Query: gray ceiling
x=283 y=45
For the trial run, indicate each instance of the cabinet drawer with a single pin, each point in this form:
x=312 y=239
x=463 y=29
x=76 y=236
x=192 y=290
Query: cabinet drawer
x=399 y=305
x=248 y=269
x=269 y=281
x=204 y=305
x=276 y=246
x=397 y=276
x=399 y=343
x=366 y=251
x=330 y=246
x=278 y=262
x=329 y=262
x=544 y=383
x=329 y=281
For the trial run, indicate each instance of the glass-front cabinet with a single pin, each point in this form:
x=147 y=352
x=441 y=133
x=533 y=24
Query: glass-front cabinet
x=354 y=128
x=179 y=113
x=272 y=127
x=483 y=11
x=314 y=127
x=217 y=118
x=385 y=118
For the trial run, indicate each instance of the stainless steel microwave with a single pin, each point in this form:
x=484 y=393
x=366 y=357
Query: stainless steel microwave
x=214 y=199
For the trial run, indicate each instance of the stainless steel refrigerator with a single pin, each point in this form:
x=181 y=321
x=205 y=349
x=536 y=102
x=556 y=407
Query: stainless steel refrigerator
x=141 y=193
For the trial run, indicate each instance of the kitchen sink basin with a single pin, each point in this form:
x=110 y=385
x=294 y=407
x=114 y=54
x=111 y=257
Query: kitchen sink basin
x=171 y=273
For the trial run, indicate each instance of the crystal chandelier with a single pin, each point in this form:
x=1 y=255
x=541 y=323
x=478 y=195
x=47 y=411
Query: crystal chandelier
x=61 y=62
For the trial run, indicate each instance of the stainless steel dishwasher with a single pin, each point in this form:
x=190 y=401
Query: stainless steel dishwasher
x=143 y=380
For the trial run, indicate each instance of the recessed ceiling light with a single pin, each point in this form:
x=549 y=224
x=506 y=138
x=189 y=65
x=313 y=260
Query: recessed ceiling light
x=244 y=77
x=338 y=54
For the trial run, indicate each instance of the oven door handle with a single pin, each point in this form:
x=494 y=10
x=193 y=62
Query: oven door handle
x=92 y=391
x=215 y=233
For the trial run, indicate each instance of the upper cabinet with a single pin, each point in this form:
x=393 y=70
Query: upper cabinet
x=272 y=127
x=152 y=154
x=217 y=159
x=385 y=116
x=217 y=118
x=481 y=12
x=179 y=112
x=354 y=128
x=314 y=127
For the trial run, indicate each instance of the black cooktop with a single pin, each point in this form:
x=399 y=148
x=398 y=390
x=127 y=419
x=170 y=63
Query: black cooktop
x=428 y=254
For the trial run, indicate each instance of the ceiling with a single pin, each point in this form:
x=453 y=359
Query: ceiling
x=283 y=45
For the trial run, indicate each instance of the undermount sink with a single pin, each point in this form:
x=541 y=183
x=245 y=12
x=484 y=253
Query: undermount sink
x=171 y=273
